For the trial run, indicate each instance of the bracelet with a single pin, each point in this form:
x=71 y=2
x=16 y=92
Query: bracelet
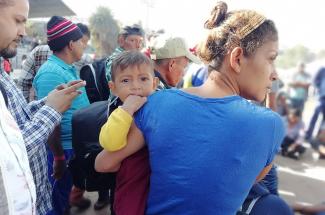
x=59 y=158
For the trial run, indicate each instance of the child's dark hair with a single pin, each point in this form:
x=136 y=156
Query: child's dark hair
x=127 y=59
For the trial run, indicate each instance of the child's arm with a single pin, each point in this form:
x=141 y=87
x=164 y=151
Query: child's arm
x=113 y=134
x=110 y=161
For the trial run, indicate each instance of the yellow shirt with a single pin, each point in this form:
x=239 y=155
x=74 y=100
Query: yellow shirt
x=116 y=128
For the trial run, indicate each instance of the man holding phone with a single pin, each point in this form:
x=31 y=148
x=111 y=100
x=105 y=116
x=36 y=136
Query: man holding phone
x=37 y=119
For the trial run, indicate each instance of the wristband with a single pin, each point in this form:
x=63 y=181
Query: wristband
x=59 y=158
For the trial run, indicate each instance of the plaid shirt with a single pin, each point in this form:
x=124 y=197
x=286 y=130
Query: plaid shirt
x=109 y=62
x=36 y=122
x=33 y=62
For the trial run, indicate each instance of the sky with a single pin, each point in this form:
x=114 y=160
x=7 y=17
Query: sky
x=298 y=22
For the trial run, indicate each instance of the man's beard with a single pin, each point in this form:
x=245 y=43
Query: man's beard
x=8 y=52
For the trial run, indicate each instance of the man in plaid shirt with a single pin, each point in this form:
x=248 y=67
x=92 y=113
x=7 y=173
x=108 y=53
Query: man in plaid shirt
x=34 y=61
x=38 y=119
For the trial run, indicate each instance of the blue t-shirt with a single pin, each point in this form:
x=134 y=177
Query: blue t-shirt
x=51 y=74
x=205 y=153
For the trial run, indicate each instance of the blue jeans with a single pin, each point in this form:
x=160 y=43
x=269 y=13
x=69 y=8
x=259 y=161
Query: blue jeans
x=60 y=188
x=319 y=109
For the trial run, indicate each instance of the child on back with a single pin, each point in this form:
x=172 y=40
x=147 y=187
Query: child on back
x=132 y=81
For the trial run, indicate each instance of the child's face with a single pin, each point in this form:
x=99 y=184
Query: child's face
x=134 y=80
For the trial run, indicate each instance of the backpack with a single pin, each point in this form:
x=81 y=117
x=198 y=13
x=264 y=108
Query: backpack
x=95 y=76
x=86 y=125
x=258 y=191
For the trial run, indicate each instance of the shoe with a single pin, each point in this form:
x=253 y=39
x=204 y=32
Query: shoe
x=100 y=204
x=82 y=204
x=294 y=155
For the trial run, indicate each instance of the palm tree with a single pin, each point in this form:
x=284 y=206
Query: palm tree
x=104 y=30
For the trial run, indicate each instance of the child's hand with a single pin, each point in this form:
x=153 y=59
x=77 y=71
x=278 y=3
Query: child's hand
x=133 y=103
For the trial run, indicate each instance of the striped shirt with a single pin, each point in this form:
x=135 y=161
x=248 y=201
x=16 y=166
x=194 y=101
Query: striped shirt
x=33 y=62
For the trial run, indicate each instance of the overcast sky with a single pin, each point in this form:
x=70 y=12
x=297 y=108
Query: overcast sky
x=298 y=22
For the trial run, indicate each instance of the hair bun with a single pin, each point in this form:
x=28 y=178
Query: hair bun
x=217 y=15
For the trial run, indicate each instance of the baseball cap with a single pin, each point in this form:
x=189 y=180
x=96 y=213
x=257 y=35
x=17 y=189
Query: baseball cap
x=171 y=48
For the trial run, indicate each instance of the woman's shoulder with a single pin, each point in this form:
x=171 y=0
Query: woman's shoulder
x=262 y=114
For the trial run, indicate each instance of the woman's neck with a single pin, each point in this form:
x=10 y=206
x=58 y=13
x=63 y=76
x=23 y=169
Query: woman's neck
x=218 y=85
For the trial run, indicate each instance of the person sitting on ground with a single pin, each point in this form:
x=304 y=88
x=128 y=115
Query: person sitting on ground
x=292 y=143
x=207 y=160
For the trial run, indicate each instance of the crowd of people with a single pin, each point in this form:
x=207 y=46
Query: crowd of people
x=169 y=143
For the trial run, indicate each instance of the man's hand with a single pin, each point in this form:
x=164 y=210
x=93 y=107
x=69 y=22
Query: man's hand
x=59 y=168
x=61 y=98
x=133 y=103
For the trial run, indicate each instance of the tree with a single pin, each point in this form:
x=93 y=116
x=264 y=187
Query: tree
x=104 y=30
x=36 y=30
x=290 y=57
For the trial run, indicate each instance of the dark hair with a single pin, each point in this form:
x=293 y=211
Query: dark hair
x=84 y=29
x=132 y=30
x=226 y=33
x=127 y=59
x=295 y=112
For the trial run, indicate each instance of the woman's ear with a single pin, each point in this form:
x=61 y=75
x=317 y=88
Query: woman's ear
x=236 y=59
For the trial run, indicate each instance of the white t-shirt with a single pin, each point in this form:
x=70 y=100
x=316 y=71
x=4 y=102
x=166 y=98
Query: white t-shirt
x=14 y=166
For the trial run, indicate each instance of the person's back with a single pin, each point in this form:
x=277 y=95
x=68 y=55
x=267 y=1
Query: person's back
x=219 y=132
x=208 y=145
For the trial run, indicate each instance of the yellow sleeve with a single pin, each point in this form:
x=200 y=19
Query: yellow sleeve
x=187 y=81
x=113 y=134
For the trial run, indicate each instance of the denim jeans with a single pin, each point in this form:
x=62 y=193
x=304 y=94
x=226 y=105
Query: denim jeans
x=60 y=188
x=319 y=109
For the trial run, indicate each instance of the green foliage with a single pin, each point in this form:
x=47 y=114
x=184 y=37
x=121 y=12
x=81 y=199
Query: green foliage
x=104 y=30
x=36 y=30
x=321 y=54
x=290 y=57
